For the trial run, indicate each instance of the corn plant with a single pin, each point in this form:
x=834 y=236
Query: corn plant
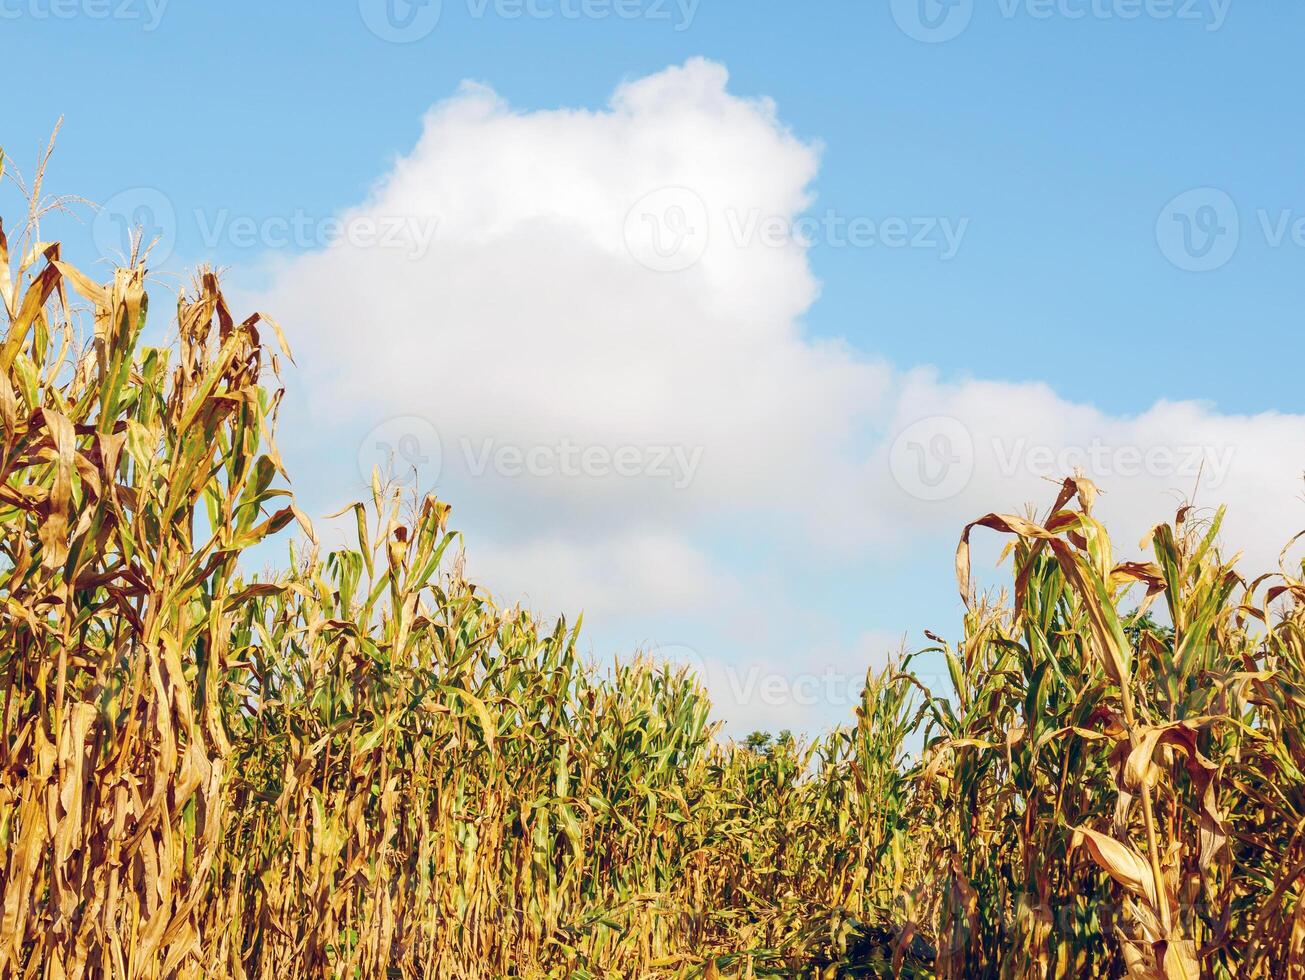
x=365 y=766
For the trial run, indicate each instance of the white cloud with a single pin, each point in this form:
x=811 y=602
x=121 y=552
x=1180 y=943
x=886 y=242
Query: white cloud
x=552 y=314
x=1002 y=446
x=771 y=692
x=651 y=573
x=530 y=324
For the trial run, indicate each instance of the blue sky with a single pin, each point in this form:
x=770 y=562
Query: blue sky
x=1054 y=139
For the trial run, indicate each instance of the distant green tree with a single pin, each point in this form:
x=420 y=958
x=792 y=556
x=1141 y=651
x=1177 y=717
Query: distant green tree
x=1135 y=625
x=763 y=743
x=758 y=742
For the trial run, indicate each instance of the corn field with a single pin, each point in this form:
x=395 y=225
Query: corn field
x=365 y=767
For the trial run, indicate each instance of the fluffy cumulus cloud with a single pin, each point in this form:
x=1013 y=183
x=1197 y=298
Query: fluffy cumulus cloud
x=576 y=327
x=960 y=449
